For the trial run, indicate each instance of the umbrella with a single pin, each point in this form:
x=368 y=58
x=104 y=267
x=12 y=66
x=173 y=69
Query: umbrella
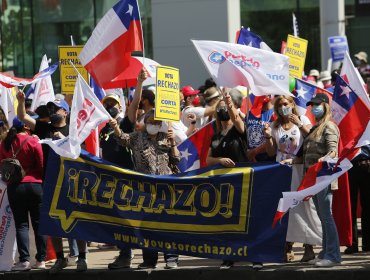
x=128 y=78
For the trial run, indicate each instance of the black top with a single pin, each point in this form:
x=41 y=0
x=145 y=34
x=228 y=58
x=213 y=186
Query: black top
x=232 y=145
x=111 y=150
x=46 y=130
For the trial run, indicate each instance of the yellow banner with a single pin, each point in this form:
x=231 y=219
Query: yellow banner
x=296 y=50
x=68 y=75
x=167 y=99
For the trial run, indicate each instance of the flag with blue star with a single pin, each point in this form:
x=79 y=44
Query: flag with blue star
x=194 y=150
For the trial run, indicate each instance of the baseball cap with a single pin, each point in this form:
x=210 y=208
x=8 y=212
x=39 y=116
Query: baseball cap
x=112 y=96
x=188 y=90
x=60 y=104
x=318 y=99
x=361 y=56
x=17 y=123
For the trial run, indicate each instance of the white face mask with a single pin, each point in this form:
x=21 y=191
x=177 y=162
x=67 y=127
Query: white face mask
x=152 y=129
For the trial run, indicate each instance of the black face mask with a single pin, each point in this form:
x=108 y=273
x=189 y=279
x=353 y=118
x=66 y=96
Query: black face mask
x=223 y=114
x=56 y=119
x=113 y=111
x=141 y=105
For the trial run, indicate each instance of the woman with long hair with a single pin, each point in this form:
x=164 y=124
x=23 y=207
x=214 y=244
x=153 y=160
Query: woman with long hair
x=284 y=139
x=322 y=142
x=4 y=126
x=228 y=145
x=25 y=197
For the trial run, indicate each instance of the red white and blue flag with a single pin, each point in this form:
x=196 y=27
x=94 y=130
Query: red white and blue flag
x=194 y=150
x=248 y=38
x=351 y=75
x=317 y=178
x=303 y=93
x=108 y=50
x=9 y=82
x=352 y=117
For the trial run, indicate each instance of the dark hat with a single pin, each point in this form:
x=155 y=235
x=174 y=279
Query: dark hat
x=318 y=99
x=60 y=104
x=17 y=123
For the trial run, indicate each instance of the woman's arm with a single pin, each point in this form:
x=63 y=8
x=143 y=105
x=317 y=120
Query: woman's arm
x=270 y=144
x=227 y=162
x=234 y=114
x=124 y=139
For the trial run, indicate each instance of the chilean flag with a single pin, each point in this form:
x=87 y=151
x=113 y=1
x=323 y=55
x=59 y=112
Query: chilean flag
x=108 y=50
x=248 y=38
x=10 y=82
x=303 y=93
x=352 y=117
x=194 y=150
x=317 y=178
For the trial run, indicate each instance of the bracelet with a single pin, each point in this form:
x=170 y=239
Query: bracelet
x=193 y=122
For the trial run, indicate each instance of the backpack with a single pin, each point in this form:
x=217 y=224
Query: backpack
x=11 y=169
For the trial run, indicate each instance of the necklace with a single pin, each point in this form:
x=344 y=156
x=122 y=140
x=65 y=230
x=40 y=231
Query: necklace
x=225 y=130
x=286 y=126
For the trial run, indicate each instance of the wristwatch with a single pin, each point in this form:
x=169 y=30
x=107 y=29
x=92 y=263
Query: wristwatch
x=300 y=124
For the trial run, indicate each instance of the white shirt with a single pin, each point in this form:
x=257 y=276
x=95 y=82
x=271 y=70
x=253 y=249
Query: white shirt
x=199 y=113
x=179 y=129
x=288 y=141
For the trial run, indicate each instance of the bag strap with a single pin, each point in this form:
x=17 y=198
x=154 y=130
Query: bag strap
x=20 y=147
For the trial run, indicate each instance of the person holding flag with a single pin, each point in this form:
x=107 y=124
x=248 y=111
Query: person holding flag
x=322 y=142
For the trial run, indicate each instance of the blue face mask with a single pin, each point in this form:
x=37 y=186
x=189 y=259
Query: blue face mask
x=317 y=111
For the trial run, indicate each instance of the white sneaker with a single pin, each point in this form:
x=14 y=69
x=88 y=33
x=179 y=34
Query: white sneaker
x=326 y=263
x=39 y=265
x=314 y=261
x=22 y=266
x=72 y=260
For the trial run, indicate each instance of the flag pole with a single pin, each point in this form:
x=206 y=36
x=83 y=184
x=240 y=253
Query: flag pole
x=142 y=32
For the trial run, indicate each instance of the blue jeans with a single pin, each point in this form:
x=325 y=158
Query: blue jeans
x=24 y=199
x=330 y=240
x=73 y=248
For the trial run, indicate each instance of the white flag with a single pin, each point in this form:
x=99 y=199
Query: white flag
x=231 y=65
x=44 y=91
x=87 y=113
x=7 y=103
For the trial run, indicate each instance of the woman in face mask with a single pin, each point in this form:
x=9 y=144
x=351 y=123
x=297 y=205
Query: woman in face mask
x=228 y=144
x=156 y=153
x=284 y=139
x=322 y=142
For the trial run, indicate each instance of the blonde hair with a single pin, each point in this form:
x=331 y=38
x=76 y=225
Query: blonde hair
x=279 y=119
x=320 y=125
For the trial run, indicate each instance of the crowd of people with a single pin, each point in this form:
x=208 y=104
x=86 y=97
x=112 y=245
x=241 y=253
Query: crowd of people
x=135 y=140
